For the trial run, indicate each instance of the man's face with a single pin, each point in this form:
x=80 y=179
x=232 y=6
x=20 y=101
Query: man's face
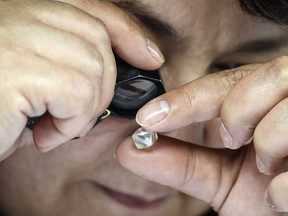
x=81 y=177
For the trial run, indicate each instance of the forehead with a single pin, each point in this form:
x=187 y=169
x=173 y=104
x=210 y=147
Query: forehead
x=190 y=12
x=211 y=22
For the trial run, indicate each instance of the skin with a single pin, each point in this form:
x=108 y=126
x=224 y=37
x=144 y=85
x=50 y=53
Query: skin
x=251 y=101
x=72 y=43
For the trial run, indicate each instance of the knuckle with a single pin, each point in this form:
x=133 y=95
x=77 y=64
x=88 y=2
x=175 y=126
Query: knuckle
x=111 y=69
x=84 y=95
x=128 y=24
x=228 y=79
x=97 y=30
x=89 y=57
x=102 y=30
x=277 y=70
x=277 y=198
x=10 y=55
x=187 y=97
x=189 y=172
x=273 y=156
x=257 y=138
x=282 y=119
x=7 y=56
x=259 y=143
x=95 y=63
x=131 y=27
x=51 y=8
x=98 y=64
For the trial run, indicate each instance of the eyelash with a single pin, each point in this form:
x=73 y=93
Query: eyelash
x=226 y=66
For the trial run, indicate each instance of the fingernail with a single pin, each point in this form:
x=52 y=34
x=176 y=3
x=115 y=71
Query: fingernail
x=270 y=203
x=155 y=51
x=249 y=141
x=85 y=131
x=46 y=149
x=261 y=166
x=226 y=136
x=114 y=154
x=153 y=113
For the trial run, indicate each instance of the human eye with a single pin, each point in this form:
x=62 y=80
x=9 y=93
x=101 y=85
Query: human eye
x=225 y=66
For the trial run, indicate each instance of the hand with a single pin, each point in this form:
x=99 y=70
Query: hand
x=228 y=180
x=56 y=59
x=261 y=115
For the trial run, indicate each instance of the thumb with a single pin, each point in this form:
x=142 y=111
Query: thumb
x=187 y=168
x=222 y=178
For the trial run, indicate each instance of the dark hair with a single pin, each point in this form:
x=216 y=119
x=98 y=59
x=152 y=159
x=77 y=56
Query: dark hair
x=273 y=10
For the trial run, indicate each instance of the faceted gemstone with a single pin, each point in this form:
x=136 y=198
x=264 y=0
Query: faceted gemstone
x=144 y=138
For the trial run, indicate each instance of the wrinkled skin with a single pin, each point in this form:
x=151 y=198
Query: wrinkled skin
x=56 y=58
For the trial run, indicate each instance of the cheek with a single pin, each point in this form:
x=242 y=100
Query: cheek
x=29 y=168
x=25 y=179
x=178 y=72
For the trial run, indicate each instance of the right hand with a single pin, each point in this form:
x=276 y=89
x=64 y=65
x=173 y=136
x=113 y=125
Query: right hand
x=56 y=59
x=252 y=101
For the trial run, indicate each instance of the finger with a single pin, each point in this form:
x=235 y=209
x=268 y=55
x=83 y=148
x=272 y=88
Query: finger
x=250 y=101
x=180 y=171
x=128 y=40
x=49 y=132
x=97 y=43
x=210 y=175
x=276 y=195
x=59 y=46
x=270 y=139
x=63 y=123
x=32 y=86
x=70 y=19
x=197 y=101
x=97 y=63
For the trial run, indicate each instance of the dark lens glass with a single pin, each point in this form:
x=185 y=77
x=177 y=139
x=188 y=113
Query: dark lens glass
x=134 y=94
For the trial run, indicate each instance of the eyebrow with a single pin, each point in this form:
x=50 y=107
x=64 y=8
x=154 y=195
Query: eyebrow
x=148 y=18
x=264 y=45
x=152 y=21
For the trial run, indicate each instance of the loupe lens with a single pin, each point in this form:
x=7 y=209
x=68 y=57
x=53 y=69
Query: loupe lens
x=134 y=94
